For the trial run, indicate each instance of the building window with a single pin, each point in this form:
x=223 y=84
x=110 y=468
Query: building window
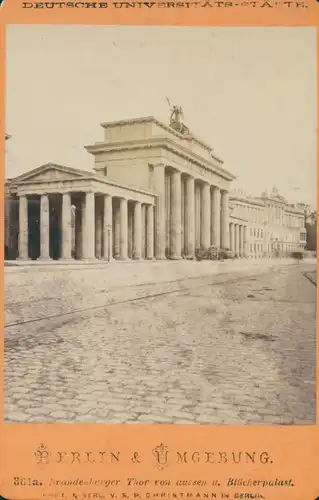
x=105 y=171
x=254 y=231
x=255 y=247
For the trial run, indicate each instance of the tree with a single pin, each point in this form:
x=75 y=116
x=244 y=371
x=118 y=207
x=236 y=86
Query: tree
x=310 y=215
x=311 y=228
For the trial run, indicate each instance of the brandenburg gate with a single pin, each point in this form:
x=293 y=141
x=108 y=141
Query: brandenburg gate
x=154 y=192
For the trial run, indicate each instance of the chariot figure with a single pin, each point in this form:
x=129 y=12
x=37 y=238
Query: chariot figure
x=176 y=118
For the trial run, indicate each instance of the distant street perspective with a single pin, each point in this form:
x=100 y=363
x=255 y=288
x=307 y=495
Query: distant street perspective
x=180 y=342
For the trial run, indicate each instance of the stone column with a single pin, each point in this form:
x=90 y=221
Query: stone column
x=176 y=210
x=232 y=237
x=116 y=231
x=190 y=218
x=98 y=230
x=197 y=215
x=237 y=239
x=245 y=241
x=216 y=217
x=78 y=230
x=159 y=183
x=7 y=221
x=66 y=227
x=241 y=235
x=23 y=228
x=123 y=229
x=205 y=216
x=130 y=230
x=107 y=228
x=89 y=227
x=44 y=228
x=225 y=220
x=144 y=231
x=149 y=232
x=183 y=217
x=168 y=215
x=137 y=232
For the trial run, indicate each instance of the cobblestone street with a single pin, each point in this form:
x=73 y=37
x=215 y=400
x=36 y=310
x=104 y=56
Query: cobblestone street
x=232 y=347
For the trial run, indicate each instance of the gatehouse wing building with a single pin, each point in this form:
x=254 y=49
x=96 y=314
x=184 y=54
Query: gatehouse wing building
x=275 y=227
x=156 y=191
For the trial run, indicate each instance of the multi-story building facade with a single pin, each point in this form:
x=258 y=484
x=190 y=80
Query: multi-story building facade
x=274 y=227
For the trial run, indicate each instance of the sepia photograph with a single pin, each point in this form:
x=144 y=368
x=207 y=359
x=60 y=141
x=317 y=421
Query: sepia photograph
x=160 y=225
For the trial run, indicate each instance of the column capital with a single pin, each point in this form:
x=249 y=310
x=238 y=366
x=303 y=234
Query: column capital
x=85 y=191
x=176 y=171
x=189 y=176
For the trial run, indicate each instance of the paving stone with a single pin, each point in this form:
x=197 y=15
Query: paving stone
x=154 y=418
x=61 y=414
x=207 y=356
x=17 y=416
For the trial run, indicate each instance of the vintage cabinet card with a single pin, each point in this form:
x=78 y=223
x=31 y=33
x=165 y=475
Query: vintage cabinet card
x=159 y=165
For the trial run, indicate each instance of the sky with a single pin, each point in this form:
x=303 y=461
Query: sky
x=250 y=93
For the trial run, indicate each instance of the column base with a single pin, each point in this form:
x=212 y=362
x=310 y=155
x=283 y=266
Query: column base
x=43 y=259
x=106 y=259
x=23 y=258
x=175 y=257
x=65 y=259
